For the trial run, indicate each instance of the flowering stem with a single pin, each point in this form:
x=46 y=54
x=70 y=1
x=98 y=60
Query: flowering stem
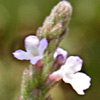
x=35 y=84
x=49 y=63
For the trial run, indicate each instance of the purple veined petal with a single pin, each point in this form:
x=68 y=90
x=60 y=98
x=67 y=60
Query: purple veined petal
x=60 y=51
x=21 y=55
x=73 y=64
x=34 y=60
x=32 y=44
x=79 y=81
x=43 y=45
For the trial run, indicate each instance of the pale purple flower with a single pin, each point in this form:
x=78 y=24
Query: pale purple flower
x=69 y=72
x=34 y=49
x=62 y=52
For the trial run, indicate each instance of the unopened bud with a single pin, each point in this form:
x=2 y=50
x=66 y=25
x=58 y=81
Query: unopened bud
x=59 y=53
x=25 y=86
x=39 y=32
x=39 y=64
x=56 y=24
x=59 y=60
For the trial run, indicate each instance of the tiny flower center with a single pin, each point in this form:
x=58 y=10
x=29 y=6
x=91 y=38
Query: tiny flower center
x=36 y=55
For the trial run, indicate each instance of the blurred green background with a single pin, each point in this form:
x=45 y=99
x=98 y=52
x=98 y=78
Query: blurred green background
x=19 y=18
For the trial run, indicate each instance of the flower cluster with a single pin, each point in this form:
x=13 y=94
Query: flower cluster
x=70 y=67
x=49 y=63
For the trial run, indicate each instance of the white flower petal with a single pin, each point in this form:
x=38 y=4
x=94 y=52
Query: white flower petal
x=67 y=78
x=73 y=64
x=31 y=44
x=60 y=51
x=34 y=49
x=34 y=60
x=79 y=81
x=43 y=45
x=21 y=55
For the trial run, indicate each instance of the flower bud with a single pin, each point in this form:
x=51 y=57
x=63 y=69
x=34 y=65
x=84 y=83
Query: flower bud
x=59 y=60
x=25 y=86
x=56 y=24
x=39 y=64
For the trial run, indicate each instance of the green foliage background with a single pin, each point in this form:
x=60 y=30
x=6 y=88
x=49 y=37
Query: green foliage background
x=19 y=18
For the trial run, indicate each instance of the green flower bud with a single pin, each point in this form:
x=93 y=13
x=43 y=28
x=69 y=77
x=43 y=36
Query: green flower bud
x=56 y=24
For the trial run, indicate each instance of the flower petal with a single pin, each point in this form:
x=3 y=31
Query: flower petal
x=73 y=64
x=34 y=60
x=43 y=45
x=31 y=44
x=21 y=55
x=60 y=51
x=79 y=81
